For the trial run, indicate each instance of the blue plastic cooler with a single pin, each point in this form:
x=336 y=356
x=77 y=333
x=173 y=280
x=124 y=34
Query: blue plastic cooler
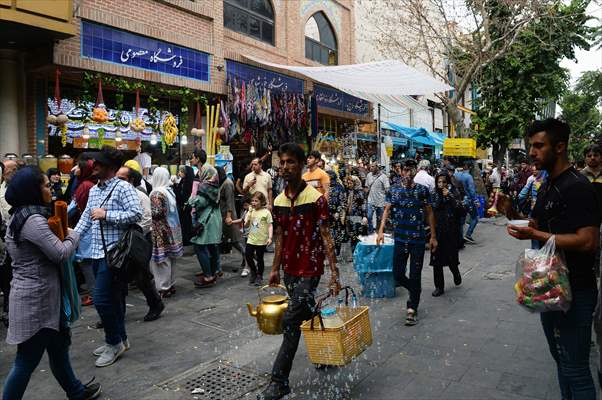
x=374 y=265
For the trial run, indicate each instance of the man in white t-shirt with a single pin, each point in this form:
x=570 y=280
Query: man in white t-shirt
x=145 y=161
x=423 y=177
x=258 y=181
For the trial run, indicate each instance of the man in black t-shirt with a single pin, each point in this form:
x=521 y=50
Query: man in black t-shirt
x=566 y=207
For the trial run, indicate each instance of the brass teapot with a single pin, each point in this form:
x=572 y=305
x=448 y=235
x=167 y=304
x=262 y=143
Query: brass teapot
x=270 y=311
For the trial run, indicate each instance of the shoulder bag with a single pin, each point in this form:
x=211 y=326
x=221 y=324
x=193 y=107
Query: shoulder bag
x=131 y=250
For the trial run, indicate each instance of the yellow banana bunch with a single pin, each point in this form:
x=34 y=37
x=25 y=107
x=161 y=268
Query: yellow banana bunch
x=170 y=130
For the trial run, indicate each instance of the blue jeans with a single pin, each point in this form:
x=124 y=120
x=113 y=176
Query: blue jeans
x=569 y=337
x=371 y=210
x=415 y=252
x=29 y=354
x=474 y=220
x=109 y=300
x=208 y=256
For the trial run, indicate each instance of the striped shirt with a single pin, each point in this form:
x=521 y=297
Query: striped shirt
x=123 y=208
x=407 y=212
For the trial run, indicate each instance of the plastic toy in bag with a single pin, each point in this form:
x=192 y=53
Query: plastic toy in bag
x=542 y=280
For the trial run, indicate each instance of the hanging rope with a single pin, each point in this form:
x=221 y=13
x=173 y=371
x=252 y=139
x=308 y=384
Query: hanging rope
x=57 y=89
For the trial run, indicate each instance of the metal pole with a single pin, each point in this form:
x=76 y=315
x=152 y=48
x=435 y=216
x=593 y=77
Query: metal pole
x=378 y=136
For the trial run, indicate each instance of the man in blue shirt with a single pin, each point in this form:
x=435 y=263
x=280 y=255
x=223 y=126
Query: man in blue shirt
x=464 y=178
x=114 y=204
x=408 y=203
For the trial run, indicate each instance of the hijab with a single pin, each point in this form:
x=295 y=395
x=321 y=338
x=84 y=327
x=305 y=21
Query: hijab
x=24 y=194
x=162 y=184
x=447 y=181
x=186 y=182
x=221 y=174
x=209 y=186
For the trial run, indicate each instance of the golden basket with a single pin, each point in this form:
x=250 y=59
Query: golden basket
x=338 y=346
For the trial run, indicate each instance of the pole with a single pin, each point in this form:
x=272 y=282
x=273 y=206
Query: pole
x=378 y=135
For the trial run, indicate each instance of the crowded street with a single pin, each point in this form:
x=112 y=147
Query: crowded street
x=300 y=199
x=473 y=343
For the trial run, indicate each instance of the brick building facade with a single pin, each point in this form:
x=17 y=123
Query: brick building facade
x=190 y=24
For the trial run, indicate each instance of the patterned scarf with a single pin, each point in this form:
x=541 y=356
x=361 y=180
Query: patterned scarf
x=20 y=216
x=209 y=186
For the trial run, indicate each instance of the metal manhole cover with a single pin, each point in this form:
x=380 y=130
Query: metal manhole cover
x=216 y=381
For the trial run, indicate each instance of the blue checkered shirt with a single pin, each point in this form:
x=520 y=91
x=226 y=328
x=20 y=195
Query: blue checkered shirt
x=123 y=208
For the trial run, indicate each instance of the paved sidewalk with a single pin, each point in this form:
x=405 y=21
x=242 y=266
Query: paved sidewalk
x=472 y=343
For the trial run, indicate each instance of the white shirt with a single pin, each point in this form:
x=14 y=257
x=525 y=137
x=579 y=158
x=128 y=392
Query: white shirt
x=495 y=178
x=147 y=218
x=4 y=206
x=423 y=178
x=145 y=161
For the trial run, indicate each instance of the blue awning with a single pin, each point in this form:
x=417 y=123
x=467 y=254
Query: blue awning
x=418 y=135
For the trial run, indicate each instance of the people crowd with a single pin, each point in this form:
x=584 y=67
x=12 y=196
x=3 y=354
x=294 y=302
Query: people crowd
x=421 y=204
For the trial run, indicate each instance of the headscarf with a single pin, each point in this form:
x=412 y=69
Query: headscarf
x=447 y=180
x=85 y=182
x=209 y=186
x=186 y=182
x=221 y=174
x=24 y=194
x=162 y=184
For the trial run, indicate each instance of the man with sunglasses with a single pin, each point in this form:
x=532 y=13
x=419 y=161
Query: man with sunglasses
x=408 y=203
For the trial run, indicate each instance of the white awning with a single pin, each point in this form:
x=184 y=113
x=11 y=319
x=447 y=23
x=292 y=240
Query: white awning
x=384 y=82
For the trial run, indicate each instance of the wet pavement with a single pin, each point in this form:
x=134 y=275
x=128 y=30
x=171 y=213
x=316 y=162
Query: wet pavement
x=472 y=343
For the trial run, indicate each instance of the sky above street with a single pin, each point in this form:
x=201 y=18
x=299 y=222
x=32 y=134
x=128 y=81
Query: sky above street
x=586 y=60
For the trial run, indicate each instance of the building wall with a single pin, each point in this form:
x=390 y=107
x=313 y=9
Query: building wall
x=199 y=25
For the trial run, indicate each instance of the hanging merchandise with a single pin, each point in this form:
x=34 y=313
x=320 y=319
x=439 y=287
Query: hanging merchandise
x=99 y=113
x=170 y=129
x=255 y=112
x=137 y=125
x=60 y=119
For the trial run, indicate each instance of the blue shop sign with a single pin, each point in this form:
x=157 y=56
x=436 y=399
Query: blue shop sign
x=112 y=45
x=263 y=78
x=336 y=100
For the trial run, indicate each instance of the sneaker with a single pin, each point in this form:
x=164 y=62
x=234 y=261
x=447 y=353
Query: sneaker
x=102 y=348
x=110 y=355
x=258 y=281
x=438 y=292
x=469 y=240
x=155 y=313
x=245 y=272
x=412 y=317
x=91 y=390
x=274 y=391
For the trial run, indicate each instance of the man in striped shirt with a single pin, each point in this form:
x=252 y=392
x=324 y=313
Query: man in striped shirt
x=114 y=204
x=408 y=203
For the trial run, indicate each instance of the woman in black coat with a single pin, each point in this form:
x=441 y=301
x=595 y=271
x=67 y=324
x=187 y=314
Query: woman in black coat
x=183 y=192
x=448 y=208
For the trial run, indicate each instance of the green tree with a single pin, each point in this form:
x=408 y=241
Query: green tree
x=515 y=88
x=580 y=109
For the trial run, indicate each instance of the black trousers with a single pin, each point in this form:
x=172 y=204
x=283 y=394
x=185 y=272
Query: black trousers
x=144 y=281
x=438 y=275
x=6 y=275
x=301 y=292
x=258 y=251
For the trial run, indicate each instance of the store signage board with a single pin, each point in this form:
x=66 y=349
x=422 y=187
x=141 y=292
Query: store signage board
x=336 y=100
x=263 y=78
x=112 y=45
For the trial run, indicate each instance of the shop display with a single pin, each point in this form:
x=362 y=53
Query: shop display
x=542 y=280
x=170 y=130
x=47 y=162
x=65 y=164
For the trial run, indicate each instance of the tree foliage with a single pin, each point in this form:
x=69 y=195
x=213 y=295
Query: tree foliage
x=517 y=87
x=580 y=108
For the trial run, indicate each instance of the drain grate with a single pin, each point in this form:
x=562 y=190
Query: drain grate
x=216 y=381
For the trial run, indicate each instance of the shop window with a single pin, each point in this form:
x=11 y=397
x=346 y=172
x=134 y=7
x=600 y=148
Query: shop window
x=320 y=40
x=254 y=18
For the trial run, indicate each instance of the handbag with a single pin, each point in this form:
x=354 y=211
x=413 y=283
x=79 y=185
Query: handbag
x=132 y=249
x=198 y=227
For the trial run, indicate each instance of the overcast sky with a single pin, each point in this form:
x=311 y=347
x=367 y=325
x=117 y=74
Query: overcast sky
x=586 y=60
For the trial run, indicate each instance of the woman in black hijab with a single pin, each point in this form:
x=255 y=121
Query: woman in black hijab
x=183 y=192
x=447 y=206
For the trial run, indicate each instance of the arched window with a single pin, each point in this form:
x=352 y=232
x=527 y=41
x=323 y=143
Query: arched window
x=320 y=41
x=253 y=18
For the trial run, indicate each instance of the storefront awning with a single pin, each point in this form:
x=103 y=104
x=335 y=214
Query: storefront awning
x=417 y=135
x=384 y=82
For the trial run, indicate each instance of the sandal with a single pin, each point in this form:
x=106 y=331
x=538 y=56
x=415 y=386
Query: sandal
x=87 y=301
x=204 y=283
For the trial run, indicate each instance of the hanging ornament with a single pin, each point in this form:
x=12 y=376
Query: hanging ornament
x=184 y=140
x=153 y=139
x=118 y=137
x=137 y=125
x=86 y=133
x=99 y=113
x=60 y=118
x=196 y=131
x=64 y=135
x=170 y=129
